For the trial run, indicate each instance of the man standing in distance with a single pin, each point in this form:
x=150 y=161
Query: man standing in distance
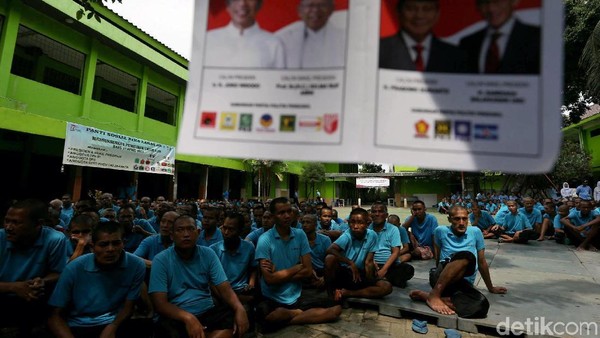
x=314 y=42
x=415 y=47
x=242 y=43
x=506 y=45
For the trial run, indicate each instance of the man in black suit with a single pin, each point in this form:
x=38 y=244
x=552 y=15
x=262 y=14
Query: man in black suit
x=415 y=47
x=506 y=45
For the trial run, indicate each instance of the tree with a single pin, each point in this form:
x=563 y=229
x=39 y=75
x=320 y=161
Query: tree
x=88 y=10
x=581 y=19
x=264 y=171
x=312 y=173
x=372 y=168
x=573 y=162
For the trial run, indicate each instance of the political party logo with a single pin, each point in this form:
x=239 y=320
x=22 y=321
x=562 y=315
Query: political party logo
x=442 y=129
x=421 y=128
x=330 y=123
x=485 y=132
x=228 y=121
x=462 y=130
x=306 y=123
x=246 y=122
x=208 y=119
x=287 y=123
x=266 y=120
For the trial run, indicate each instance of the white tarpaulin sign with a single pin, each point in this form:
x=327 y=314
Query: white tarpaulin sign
x=372 y=182
x=91 y=147
x=465 y=89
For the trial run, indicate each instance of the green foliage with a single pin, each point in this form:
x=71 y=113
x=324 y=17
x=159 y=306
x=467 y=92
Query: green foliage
x=264 y=171
x=581 y=17
x=313 y=172
x=372 y=168
x=573 y=162
x=87 y=9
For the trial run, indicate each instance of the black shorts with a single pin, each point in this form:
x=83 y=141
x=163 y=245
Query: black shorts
x=219 y=317
x=462 y=284
x=343 y=279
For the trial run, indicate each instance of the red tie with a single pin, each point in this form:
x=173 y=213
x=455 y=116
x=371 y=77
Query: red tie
x=419 y=65
x=492 y=58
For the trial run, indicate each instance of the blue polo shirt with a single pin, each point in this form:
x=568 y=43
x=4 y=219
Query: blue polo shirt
x=187 y=282
x=404 y=239
x=255 y=235
x=387 y=238
x=284 y=255
x=150 y=247
x=450 y=244
x=578 y=219
x=93 y=296
x=485 y=220
x=423 y=232
x=357 y=250
x=68 y=214
x=236 y=264
x=557 y=223
x=216 y=237
x=47 y=254
x=513 y=223
x=318 y=251
x=535 y=216
x=333 y=226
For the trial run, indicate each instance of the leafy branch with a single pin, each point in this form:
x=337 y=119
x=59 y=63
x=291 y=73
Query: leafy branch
x=87 y=9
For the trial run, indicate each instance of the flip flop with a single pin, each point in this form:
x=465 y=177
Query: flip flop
x=419 y=326
x=452 y=333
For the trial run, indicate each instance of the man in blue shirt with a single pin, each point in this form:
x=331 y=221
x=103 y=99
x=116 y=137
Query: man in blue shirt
x=153 y=245
x=318 y=250
x=190 y=311
x=284 y=256
x=133 y=233
x=514 y=226
x=483 y=220
x=32 y=257
x=326 y=225
x=421 y=226
x=581 y=227
x=404 y=255
x=534 y=216
x=388 y=248
x=459 y=252
x=267 y=224
x=349 y=265
x=584 y=191
x=95 y=295
x=210 y=233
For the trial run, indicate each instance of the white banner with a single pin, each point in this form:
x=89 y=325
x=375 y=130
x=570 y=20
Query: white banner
x=372 y=182
x=91 y=147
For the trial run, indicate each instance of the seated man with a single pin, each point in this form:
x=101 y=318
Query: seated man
x=515 y=227
x=190 y=311
x=133 y=233
x=237 y=258
x=581 y=227
x=559 y=231
x=421 y=226
x=80 y=233
x=284 y=256
x=547 y=220
x=404 y=254
x=95 y=295
x=153 y=245
x=349 y=265
x=459 y=253
x=32 y=257
x=318 y=249
x=534 y=216
x=326 y=225
x=388 y=248
x=267 y=224
x=210 y=233
x=483 y=220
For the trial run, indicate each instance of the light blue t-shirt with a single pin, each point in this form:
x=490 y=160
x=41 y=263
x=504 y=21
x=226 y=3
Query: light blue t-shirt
x=216 y=238
x=187 y=282
x=319 y=250
x=284 y=255
x=238 y=264
x=485 y=220
x=255 y=235
x=515 y=222
x=423 y=232
x=357 y=250
x=404 y=239
x=150 y=247
x=578 y=219
x=93 y=296
x=333 y=226
x=387 y=238
x=557 y=223
x=47 y=254
x=535 y=216
x=450 y=244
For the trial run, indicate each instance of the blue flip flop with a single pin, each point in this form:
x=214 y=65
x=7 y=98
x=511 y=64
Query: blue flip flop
x=452 y=333
x=419 y=326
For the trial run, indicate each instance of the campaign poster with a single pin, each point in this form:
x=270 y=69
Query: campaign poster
x=461 y=76
x=273 y=71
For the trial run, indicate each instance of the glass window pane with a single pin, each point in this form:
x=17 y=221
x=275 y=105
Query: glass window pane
x=115 y=87
x=160 y=105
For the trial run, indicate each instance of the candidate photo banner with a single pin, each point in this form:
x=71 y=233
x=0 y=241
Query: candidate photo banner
x=91 y=147
x=273 y=71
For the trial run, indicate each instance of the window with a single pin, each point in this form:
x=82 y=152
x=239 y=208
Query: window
x=160 y=105
x=39 y=58
x=115 y=87
x=595 y=132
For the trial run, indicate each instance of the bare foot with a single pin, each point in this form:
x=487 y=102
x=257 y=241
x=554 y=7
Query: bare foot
x=593 y=248
x=338 y=295
x=581 y=248
x=448 y=302
x=438 y=305
x=418 y=295
x=541 y=239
